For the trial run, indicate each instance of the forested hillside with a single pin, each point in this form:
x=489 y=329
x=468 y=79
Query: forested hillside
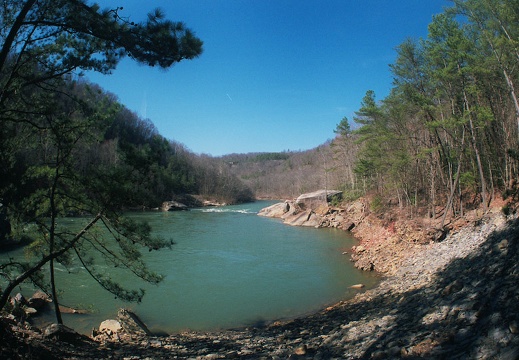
x=286 y=175
x=68 y=148
x=446 y=137
x=443 y=141
x=116 y=147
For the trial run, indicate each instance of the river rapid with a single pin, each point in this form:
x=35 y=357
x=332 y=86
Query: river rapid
x=228 y=268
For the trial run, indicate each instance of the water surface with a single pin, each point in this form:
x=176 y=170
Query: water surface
x=228 y=268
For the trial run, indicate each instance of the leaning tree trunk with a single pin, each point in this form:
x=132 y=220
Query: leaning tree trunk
x=27 y=274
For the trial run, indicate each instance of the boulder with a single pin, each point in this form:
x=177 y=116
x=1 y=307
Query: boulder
x=317 y=198
x=304 y=218
x=110 y=327
x=18 y=299
x=131 y=323
x=62 y=333
x=357 y=286
x=39 y=300
x=309 y=209
x=278 y=210
x=173 y=206
x=359 y=249
x=29 y=311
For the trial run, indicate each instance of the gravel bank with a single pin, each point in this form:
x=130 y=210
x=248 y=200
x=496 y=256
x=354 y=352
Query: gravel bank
x=455 y=299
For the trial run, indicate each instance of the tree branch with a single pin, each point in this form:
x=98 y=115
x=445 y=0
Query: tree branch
x=22 y=277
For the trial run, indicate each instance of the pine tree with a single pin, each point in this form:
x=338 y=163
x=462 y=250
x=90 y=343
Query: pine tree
x=47 y=127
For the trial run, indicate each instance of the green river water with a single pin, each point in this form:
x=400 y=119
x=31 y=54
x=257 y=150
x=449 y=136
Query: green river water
x=228 y=268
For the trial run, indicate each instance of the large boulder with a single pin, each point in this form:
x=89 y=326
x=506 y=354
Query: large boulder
x=278 y=210
x=304 y=218
x=317 y=198
x=173 y=206
x=39 y=300
x=131 y=323
x=308 y=210
x=110 y=327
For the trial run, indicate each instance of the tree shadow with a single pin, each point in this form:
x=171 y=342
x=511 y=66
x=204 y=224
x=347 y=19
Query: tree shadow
x=470 y=310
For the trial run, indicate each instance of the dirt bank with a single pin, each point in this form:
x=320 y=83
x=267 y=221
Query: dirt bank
x=457 y=298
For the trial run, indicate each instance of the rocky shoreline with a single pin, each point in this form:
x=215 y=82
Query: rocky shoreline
x=455 y=298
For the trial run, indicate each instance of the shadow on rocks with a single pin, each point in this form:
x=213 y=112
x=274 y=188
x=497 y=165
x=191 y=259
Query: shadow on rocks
x=470 y=311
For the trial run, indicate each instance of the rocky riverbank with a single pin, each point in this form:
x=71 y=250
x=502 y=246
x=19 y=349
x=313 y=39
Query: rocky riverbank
x=451 y=299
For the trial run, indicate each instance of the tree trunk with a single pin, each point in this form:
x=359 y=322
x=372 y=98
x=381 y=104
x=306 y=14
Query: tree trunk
x=478 y=157
x=456 y=180
x=508 y=79
x=433 y=191
x=6 y=47
x=27 y=274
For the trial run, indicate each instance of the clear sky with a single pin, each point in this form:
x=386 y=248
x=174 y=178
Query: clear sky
x=275 y=75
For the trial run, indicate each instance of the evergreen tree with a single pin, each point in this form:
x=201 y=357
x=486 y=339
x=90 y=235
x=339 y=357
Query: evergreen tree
x=47 y=127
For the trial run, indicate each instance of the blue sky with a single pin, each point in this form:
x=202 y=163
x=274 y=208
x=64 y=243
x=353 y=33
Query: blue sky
x=275 y=75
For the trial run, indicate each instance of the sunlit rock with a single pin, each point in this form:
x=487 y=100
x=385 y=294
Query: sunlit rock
x=277 y=210
x=110 y=326
x=173 y=206
x=317 y=198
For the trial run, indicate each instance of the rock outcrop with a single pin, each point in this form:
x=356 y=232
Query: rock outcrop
x=132 y=324
x=173 y=206
x=292 y=214
x=277 y=210
x=317 y=198
x=127 y=326
x=39 y=300
x=313 y=209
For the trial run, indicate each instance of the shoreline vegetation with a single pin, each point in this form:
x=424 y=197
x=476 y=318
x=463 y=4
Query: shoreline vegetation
x=421 y=170
x=439 y=298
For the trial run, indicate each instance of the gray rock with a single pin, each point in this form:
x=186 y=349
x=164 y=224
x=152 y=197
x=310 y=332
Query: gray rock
x=18 y=299
x=317 y=198
x=132 y=324
x=305 y=218
x=110 y=326
x=276 y=210
x=62 y=333
x=29 y=311
x=39 y=300
x=173 y=206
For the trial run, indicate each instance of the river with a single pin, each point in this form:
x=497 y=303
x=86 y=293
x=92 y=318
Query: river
x=228 y=268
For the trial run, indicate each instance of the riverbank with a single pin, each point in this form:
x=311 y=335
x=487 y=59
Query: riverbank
x=457 y=298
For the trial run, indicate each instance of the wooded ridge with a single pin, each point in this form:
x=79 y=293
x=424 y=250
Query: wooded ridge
x=444 y=143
